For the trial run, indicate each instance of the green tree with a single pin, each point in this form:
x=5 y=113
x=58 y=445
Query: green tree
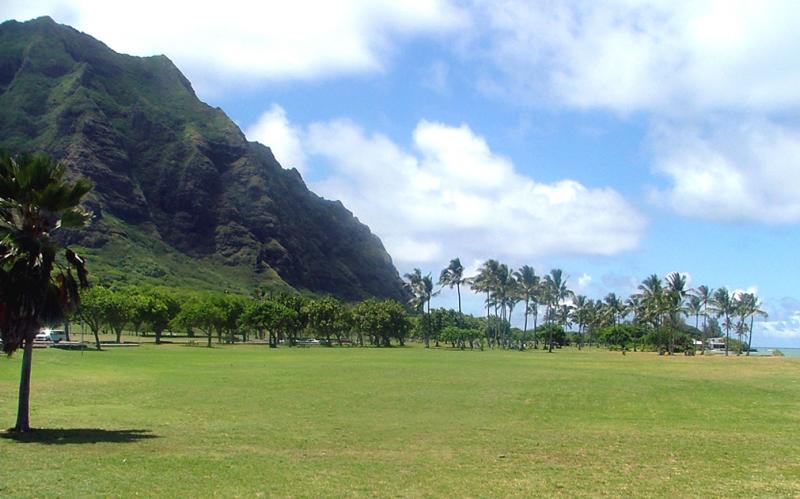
x=298 y=322
x=269 y=315
x=381 y=320
x=117 y=313
x=35 y=201
x=328 y=317
x=93 y=310
x=232 y=307
x=200 y=311
x=158 y=308
x=616 y=336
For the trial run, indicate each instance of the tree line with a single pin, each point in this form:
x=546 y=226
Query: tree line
x=664 y=314
x=654 y=315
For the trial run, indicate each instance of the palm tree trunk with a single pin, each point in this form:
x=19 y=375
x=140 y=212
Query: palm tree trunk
x=23 y=409
x=727 y=334
x=488 y=337
x=750 y=337
x=458 y=290
x=525 y=324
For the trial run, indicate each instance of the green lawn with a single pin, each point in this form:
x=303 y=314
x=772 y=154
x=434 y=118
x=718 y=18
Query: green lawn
x=249 y=421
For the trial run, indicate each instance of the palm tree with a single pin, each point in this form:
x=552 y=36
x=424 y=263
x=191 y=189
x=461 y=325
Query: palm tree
x=651 y=293
x=35 y=201
x=723 y=305
x=580 y=312
x=556 y=285
x=529 y=286
x=675 y=294
x=505 y=294
x=421 y=294
x=615 y=307
x=748 y=306
x=414 y=282
x=453 y=275
x=705 y=295
x=483 y=282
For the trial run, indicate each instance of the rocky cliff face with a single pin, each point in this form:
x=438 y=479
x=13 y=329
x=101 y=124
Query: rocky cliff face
x=168 y=166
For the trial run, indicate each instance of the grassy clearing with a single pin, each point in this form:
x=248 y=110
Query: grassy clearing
x=249 y=421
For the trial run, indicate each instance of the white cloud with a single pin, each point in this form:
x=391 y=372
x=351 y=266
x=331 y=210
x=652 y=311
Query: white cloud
x=239 y=39
x=583 y=282
x=744 y=172
x=782 y=327
x=665 y=56
x=274 y=130
x=452 y=196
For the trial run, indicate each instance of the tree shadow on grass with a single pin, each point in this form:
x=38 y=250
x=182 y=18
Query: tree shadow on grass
x=60 y=436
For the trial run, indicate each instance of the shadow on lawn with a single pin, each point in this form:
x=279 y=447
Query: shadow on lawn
x=59 y=436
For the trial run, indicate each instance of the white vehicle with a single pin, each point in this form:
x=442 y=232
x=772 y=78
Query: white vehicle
x=54 y=335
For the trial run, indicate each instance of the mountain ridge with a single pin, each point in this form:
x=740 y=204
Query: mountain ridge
x=171 y=168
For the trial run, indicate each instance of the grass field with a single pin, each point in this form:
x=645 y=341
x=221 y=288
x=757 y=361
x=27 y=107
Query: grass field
x=249 y=421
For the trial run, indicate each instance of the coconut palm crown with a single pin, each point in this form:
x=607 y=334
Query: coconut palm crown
x=36 y=201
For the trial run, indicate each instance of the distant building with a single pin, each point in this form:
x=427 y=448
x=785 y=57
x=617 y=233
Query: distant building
x=716 y=344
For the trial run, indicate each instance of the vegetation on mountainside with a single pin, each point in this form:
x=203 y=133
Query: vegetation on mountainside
x=180 y=194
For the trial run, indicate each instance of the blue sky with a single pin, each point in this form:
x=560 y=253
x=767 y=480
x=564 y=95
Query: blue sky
x=613 y=139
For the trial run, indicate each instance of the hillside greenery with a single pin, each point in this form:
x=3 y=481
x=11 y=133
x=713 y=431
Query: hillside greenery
x=180 y=196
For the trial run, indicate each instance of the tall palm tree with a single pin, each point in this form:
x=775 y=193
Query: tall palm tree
x=451 y=276
x=633 y=305
x=652 y=299
x=723 y=305
x=484 y=282
x=748 y=306
x=421 y=293
x=675 y=294
x=414 y=283
x=35 y=201
x=557 y=291
x=705 y=295
x=529 y=286
x=615 y=307
x=580 y=312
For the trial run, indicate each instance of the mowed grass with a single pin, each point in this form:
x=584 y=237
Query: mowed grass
x=325 y=422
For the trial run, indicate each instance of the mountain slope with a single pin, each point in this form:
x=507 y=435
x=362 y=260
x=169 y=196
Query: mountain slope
x=179 y=191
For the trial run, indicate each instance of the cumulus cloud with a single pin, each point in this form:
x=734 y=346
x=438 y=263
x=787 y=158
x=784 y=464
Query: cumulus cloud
x=253 y=40
x=646 y=55
x=274 y=130
x=743 y=172
x=451 y=195
x=782 y=326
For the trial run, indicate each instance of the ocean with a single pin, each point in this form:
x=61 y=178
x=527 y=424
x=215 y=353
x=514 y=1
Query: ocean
x=787 y=352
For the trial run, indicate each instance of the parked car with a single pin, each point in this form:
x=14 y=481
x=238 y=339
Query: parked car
x=54 y=335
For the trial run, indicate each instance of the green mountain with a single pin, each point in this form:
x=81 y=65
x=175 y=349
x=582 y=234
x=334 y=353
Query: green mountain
x=181 y=197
